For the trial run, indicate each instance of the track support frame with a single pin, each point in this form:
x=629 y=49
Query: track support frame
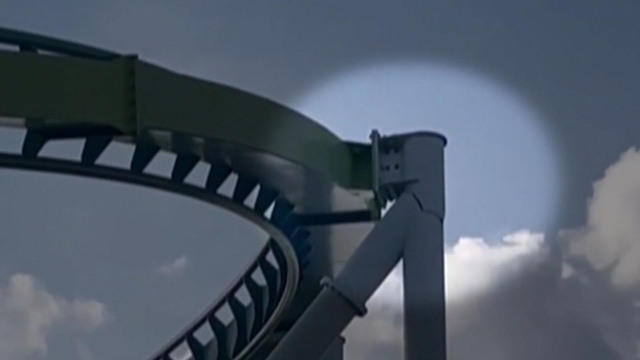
x=408 y=170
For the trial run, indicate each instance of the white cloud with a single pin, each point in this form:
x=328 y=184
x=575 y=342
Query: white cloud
x=611 y=238
x=173 y=268
x=473 y=267
x=90 y=314
x=29 y=313
x=518 y=300
x=606 y=252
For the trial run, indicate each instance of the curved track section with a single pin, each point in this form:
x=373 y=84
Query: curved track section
x=236 y=323
x=60 y=90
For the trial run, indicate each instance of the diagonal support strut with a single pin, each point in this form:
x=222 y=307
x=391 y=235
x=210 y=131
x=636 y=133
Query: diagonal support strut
x=409 y=170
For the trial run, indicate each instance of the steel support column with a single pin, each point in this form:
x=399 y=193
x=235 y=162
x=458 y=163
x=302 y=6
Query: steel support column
x=413 y=175
x=423 y=257
x=343 y=299
x=335 y=350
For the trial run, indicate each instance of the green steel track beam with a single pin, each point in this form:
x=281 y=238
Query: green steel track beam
x=308 y=176
x=134 y=97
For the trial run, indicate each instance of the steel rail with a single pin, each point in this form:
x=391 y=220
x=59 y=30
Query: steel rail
x=277 y=261
x=32 y=42
x=58 y=89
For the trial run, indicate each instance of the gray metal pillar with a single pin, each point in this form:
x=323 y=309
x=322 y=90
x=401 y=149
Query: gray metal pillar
x=424 y=307
x=424 y=298
x=340 y=301
x=335 y=351
x=411 y=173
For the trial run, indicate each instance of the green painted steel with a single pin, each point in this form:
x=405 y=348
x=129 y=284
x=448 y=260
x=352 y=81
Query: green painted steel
x=134 y=97
x=66 y=90
x=58 y=89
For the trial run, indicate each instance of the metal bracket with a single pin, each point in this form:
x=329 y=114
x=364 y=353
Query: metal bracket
x=400 y=162
x=390 y=177
x=360 y=309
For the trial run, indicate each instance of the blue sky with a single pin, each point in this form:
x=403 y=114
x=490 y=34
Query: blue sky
x=496 y=140
x=537 y=100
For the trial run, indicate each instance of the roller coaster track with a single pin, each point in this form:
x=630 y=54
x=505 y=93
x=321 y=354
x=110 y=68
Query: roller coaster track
x=58 y=90
x=271 y=278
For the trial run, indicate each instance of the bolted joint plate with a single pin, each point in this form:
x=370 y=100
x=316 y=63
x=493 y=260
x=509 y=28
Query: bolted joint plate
x=359 y=308
x=409 y=162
